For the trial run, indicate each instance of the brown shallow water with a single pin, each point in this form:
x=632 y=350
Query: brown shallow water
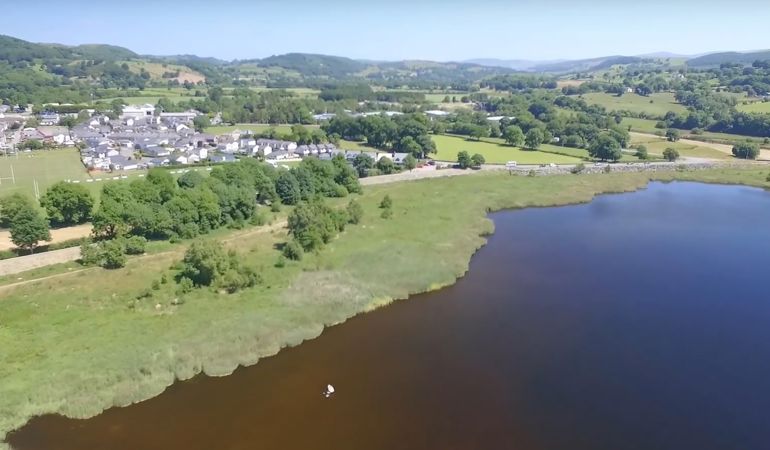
x=639 y=321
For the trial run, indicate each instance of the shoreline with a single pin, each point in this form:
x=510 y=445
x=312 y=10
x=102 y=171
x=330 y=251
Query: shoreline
x=364 y=297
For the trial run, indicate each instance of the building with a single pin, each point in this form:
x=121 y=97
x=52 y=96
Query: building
x=49 y=118
x=137 y=111
x=185 y=117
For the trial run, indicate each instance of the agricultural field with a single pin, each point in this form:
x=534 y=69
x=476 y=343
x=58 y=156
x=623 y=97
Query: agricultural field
x=150 y=95
x=641 y=125
x=495 y=152
x=657 y=104
x=755 y=107
x=156 y=71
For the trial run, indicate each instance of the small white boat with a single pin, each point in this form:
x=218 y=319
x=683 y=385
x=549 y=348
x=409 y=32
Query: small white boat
x=329 y=391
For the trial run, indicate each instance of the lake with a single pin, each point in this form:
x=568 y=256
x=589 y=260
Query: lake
x=638 y=321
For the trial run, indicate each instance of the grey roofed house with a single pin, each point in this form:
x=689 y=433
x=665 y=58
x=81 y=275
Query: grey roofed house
x=219 y=158
x=155 y=151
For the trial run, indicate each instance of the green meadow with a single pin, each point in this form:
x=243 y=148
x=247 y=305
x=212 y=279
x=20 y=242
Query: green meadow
x=657 y=104
x=755 y=107
x=495 y=151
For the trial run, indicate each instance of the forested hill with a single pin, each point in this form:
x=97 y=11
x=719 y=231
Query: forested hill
x=716 y=59
x=14 y=50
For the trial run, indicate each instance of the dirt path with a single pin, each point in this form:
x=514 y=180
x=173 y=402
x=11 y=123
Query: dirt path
x=57 y=235
x=29 y=262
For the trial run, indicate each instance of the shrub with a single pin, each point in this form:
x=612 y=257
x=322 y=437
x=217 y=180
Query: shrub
x=386 y=202
x=578 y=168
x=670 y=154
x=387 y=213
x=186 y=285
x=292 y=250
x=607 y=168
x=113 y=255
x=155 y=285
x=135 y=245
x=641 y=152
x=355 y=212
x=281 y=262
x=477 y=160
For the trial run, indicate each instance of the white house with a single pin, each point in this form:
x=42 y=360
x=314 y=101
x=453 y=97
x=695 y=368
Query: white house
x=137 y=111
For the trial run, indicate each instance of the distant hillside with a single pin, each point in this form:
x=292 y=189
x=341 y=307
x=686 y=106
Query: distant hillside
x=314 y=65
x=585 y=65
x=715 y=59
x=15 y=50
x=515 y=64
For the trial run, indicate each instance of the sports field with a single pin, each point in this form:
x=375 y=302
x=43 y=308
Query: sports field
x=45 y=167
x=657 y=104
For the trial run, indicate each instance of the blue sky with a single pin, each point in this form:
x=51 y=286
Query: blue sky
x=397 y=29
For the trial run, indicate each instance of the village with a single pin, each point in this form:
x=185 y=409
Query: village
x=142 y=137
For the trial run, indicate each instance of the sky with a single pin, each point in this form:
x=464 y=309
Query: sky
x=448 y=30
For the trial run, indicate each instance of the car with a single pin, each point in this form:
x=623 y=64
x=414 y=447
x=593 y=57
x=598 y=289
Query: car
x=552 y=165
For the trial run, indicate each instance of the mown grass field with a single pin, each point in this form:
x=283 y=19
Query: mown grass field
x=139 y=343
x=495 y=152
x=46 y=167
x=657 y=104
x=755 y=107
x=656 y=146
x=648 y=126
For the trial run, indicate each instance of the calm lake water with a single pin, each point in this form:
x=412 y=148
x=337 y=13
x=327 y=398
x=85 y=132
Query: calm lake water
x=638 y=321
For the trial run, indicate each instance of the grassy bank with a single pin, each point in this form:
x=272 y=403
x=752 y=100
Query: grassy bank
x=82 y=342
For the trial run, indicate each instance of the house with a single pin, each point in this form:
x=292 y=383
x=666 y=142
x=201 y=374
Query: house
x=183 y=117
x=137 y=111
x=123 y=163
x=223 y=159
x=436 y=114
x=181 y=159
x=324 y=116
x=49 y=118
x=32 y=134
x=398 y=158
x=231 y=147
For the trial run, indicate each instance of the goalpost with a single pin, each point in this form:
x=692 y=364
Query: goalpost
x=12 y=178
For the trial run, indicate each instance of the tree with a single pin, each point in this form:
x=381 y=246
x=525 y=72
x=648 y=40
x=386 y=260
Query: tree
x=670 y=154
x=201 y=123
x=409 y=145
x=746 y=150
x=293 y=251
x=477 y=160
x=513 y=135
x=10 y=206
x=67 y=203
x=287 y=188
x=190 y=180
x=641 y=152
x=410 y=162
x=672 y=135
x=477 y=132
x=534 y=138
x=355 y=212
x=113 y=256
x=204 y=262
x=606 y=148
x=386 y=166
x=68 y=121
x=463 y=159
x=28 y=228
x=362 y=163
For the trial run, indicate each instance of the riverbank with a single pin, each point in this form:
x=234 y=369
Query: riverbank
x=80 y=343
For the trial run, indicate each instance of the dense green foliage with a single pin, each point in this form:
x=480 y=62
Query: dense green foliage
x=206 y=263
x=746 y=150
x=28 y=228
x=67 y=204
x=671 y=154
x=11 y=205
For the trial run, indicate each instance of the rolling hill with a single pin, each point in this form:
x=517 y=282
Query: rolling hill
x=715 y=59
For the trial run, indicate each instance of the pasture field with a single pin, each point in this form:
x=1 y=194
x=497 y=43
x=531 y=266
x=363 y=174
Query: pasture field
x=156 y=71
x=641 y=125
x=142 y=339
x=755 y=107
x=657 y=104
x=494 y=152
x=656 y=145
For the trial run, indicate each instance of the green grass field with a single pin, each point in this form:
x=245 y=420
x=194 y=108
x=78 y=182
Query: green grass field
x=755 y=107
x=46 y=167
x=495 y=152
x=137 y=345
x=655 y=147
x=657 y=104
